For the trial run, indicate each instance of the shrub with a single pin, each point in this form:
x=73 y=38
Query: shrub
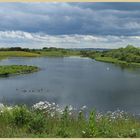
x=20 y=116
x=37 y=123
x=65 y=117
x=104 y=128
x=91 y=130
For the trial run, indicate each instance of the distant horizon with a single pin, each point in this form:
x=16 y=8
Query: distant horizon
x=69 y=25
x=66 y=48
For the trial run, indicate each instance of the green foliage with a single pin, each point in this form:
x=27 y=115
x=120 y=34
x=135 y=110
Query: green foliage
x=62 y=132
x=15 y=49
x=37 y=123
x=21 y=121
x=5 y=54
x=92 y=124
x=105 y=128
x=20 y=116
x=91 y=129
x=64 y=118
x=58 y=52
x=7 y=70
x=129 y=56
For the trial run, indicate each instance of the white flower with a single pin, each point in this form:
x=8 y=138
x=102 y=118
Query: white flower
x=53 y=103
x=70 y=108
x=70 y=113
x=84 y=107
x=40 y=103
x=53 y=108
x=83 y=132
x=52 y=114
x=9 y=108
x=1 y=106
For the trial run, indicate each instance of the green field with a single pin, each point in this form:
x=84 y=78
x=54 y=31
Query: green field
x=36 y=53
x=5 y=54
x=7 y=70
x=59 y=53
x=20 y=121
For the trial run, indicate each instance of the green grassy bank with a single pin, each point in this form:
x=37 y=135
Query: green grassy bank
x=116 y=61
x=36 y=53
x=6 y=54
x=128 y=56
x=58 y=53
x=45 y=121
x=7 y=70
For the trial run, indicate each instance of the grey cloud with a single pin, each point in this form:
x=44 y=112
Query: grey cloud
x=72 y=18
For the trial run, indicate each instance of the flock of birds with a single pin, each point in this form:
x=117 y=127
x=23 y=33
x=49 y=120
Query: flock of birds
x=39 y=90
x=32 y=90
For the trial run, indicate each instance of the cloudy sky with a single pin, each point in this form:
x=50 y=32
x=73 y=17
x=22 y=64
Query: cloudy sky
x=69 y=25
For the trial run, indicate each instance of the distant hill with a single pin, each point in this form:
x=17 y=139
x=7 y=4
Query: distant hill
x=88 y=49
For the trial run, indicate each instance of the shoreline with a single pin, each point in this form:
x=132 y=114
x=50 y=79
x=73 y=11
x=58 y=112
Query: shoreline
x=116 y=61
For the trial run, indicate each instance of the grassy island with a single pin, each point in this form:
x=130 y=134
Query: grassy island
x=7 y=70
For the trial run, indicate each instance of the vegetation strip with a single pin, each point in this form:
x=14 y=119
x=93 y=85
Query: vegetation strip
x=128 y=56
x=6 y=54
x=46 y=119
x=7 y=70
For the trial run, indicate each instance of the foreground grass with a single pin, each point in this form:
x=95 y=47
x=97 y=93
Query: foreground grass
x=116 y=61
x=7 y=70
x=45 y=121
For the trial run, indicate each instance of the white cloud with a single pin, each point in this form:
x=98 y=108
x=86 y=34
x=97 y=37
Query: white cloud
x=39 y=40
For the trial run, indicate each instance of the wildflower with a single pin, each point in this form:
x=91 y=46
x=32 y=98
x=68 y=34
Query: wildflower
x=70 y=108
x=83 y=132
x=1 y=106
x=9 y=108
x=84 y=107
x=54 y=108
x=40 y=103
x=70 y=113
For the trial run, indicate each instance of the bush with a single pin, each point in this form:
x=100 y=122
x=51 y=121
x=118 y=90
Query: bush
x=37 y=123
x=20 y=116
x=91 y=130
x=105 y=128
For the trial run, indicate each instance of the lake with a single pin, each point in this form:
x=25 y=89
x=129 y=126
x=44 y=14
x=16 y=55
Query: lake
x=73 y=81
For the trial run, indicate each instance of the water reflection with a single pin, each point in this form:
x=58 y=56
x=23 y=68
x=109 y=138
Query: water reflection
x=75 y=81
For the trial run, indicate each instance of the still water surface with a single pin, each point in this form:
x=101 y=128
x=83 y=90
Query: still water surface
x=73 y=81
